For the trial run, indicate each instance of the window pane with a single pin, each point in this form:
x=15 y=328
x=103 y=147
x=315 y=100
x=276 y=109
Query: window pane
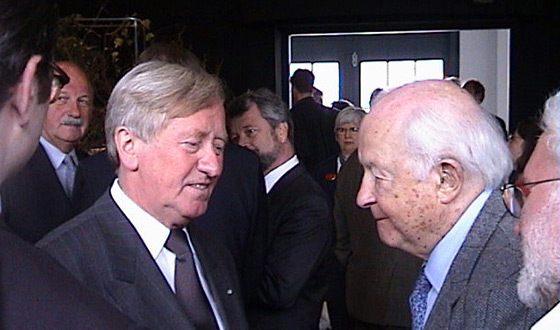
x=429 y=69
x=327 y=79
x=373 y=74
x=400 y=73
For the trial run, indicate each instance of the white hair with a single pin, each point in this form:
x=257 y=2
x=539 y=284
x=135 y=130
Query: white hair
x=436 y=131
x=551 y=123
x=349 y=115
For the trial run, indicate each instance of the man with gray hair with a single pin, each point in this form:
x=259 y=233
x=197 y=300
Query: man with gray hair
x=536 y=201
x=165 y=130
x=293 y=284
x=39 y=198
x=432 y=160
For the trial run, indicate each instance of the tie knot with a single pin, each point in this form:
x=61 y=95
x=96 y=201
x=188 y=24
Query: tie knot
x=177 y=242
x=69 y=161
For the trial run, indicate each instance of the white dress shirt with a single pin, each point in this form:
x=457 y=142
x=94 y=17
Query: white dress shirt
x=154 y=234
x=276 y=174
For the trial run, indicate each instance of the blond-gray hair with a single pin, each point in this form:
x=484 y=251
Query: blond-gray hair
x=152 y=93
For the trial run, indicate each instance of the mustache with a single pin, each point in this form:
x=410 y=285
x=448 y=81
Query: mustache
x=74 y=121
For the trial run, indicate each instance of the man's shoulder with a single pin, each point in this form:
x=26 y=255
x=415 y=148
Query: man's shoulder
x=80 y=229
x=297 y=185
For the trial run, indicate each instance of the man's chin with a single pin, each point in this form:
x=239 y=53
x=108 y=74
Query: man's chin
x=537 y=290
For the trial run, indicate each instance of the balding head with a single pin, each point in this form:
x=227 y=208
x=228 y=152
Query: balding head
x=427 y=152
x=435 y=119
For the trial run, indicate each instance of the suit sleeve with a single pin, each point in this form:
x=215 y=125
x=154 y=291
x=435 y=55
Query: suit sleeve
x=297 y=250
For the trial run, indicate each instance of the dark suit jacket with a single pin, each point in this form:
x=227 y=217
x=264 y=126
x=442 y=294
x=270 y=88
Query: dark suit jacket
x=480 y=290
x=93 y=176
x=325 y=174
x=293 y=287
x=34 y=201
x=103 y=250
x=379 y=279
x=313 y=132
x=37 y=293
x=236 y=214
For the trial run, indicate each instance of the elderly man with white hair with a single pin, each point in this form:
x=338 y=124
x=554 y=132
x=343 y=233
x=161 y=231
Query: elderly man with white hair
x=536 y=201
x=432 y=161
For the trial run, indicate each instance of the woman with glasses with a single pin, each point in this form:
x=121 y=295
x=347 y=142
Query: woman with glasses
x=347 y=126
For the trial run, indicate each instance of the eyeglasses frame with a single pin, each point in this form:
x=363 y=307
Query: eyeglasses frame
x=523 y=192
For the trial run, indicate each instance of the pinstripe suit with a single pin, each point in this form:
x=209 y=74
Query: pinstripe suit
x=102 y=249
x=479 y=291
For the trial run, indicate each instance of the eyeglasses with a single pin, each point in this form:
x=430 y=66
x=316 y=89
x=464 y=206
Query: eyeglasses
x=352 y=130
x=514 y=195
x=59 y=79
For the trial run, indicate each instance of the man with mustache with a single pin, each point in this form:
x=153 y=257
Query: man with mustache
x=38 y=198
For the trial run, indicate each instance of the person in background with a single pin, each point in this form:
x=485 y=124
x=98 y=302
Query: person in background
x=347 y=125
x=432 y=162
x=293 y=285
x=536 y=201
x=39 y=198
x=35 y=291
x=313 y=123
x=477 y=90
x=521 y=145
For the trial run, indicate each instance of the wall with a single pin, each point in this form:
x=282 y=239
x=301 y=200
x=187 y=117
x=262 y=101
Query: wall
x=484 y=55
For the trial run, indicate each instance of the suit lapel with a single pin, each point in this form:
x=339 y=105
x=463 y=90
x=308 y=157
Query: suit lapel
x=460 y=272
x=137 y=280
x=47 y=178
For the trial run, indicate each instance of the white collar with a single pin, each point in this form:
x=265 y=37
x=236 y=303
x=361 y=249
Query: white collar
x=56 y=156
x=276 y=174
x=153 y=232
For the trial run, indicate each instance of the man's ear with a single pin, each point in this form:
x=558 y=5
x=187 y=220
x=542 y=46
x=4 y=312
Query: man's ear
x=450 y=176
x=282 y=132
x=127 y=148
x=24 y=91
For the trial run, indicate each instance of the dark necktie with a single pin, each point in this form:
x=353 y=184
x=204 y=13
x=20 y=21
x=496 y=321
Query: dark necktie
x=188 y=289
x=419 y=300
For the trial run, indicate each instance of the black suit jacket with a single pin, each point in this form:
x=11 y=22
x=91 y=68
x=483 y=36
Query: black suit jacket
x=37 y=293
x=34 y=201
x=326 y=174
x=236 y=214
x=93 y=176
x=294 y=283
x=103 y=250
x=313 y=132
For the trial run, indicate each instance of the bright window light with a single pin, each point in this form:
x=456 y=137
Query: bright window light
x=373 y=74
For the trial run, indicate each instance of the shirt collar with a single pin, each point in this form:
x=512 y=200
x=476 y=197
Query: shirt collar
x=446 y=250
x=273 y=176
x=56 y=156
x=153 y=233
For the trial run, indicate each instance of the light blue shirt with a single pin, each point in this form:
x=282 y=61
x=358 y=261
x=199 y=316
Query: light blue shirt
x=442 y=256
x=154 y=234
x=273 y=176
